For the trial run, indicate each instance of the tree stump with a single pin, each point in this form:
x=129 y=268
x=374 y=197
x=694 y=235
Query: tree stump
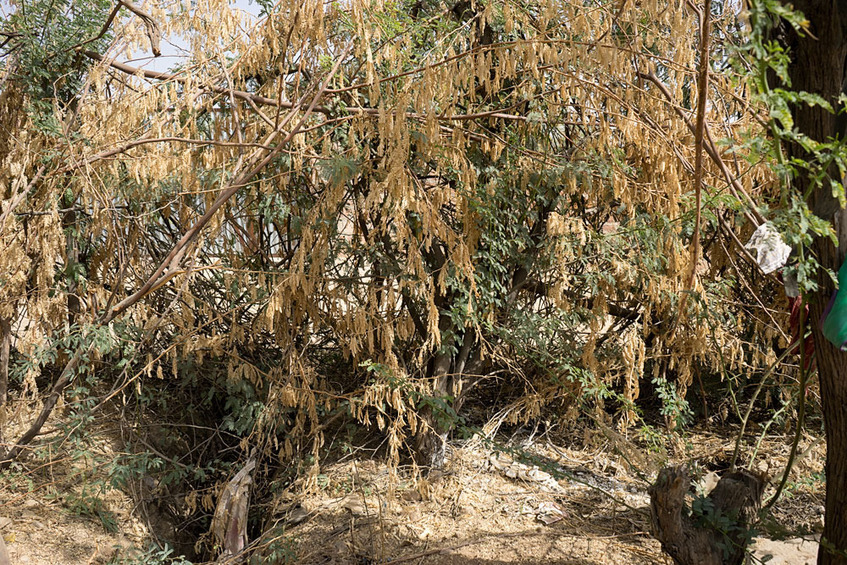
x=716 y=530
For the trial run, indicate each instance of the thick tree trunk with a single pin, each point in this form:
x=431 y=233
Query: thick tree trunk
x=430 y=443
x=818 y=66
x=690 y=542
x=832 y=369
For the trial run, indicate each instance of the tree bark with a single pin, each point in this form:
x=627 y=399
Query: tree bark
x=736 y=497
x=832 y=371
x=818 y=66
x=5 y=347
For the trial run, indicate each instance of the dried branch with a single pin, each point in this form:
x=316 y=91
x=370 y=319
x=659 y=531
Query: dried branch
x=153 y=31
x=753 y=214
x=699 y=128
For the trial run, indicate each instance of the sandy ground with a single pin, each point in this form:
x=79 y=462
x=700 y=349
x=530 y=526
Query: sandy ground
x=571 y=506
x=487 y=509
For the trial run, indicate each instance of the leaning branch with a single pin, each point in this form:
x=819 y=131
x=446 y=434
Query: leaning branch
x=735 y=187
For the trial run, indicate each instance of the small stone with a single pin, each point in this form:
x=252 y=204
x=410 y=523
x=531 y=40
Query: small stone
x=298 y=515
x=340 y=546
x=4 y=522
x=355 y=505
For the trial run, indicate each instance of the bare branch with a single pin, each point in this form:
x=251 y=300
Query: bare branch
x=153 y=31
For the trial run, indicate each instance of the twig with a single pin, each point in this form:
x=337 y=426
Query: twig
x=746 y=417
x=801 y=407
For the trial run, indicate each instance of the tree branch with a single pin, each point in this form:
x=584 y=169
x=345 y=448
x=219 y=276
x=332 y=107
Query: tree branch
x=153 y=31
x=156 y=75
x=735 y=187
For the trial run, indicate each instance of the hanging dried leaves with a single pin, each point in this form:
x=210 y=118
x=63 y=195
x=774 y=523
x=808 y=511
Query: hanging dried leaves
x=358 y=207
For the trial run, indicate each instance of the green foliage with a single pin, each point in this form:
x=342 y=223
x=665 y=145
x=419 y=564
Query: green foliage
x=278 y=549
x=47 y=34
x=87 y=504
x=153 y=555
x=440 y=406
x=732 y=534
x=674 y=408
x=822 y=164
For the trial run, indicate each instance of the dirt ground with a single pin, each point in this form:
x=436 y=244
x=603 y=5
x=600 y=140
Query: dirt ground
x=485 y=508
x=584 y=506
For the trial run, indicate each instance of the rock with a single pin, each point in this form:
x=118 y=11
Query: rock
x=298 y=515
x=355 y=505
x=549 y=513
x=411 y=495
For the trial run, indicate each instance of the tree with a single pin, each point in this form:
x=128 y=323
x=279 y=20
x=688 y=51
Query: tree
x=817 y=66
x=379 y=214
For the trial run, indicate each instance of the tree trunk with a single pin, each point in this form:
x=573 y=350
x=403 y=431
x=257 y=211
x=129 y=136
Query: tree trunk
x=5 y=347
x=818 y=66
x=685 y=538
x=832 y=370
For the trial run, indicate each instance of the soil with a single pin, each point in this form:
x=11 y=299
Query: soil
x=565 y=505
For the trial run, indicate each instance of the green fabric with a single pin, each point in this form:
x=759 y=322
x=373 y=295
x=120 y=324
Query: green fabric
x=835 y=324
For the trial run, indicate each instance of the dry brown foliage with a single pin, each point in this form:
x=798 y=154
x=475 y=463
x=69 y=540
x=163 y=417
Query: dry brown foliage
x=310 y=195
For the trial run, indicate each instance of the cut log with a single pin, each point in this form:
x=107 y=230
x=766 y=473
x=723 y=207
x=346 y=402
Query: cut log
x=717 y=530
